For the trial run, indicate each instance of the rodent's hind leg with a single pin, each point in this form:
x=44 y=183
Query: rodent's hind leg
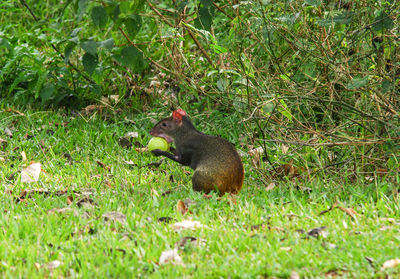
x=203 y=182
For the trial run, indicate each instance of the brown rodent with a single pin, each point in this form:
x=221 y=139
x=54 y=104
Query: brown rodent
x=215 y=161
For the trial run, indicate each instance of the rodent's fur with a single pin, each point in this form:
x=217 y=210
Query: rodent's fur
x=215 y=161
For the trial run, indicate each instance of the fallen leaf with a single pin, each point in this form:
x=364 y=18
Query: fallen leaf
x=53 y=264
x=349 y=211
x=31 y=173
x=188 y=202
x=170 y=256
x=181 y=207
x=317 y=232
x=115 y=216
x=255 y=155
x=3 y=144
x=132 y=135
x=62 y=210
x=187 y=224
x=85 y=202
x=166 y=220
x=104 y=166
x=287 y=249
x=14 y=111
x=23 y=155
x=294 y=275
x=189 y=239
x=284 y=148
x=8 y=132
x=270 y=186
x=69 y=158
x=37 y=265
x=125 y=142
x=28 y=137
x=390 y=264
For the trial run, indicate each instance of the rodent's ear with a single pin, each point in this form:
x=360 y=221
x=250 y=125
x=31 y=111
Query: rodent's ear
x=178 y=114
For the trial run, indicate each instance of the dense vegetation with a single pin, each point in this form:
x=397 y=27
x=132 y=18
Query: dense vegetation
x=307 y=90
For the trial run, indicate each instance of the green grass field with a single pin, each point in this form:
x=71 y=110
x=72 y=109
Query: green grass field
x=257 y=234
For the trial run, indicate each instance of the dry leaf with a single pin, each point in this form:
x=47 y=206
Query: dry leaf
x=70 y=200
x=53 y=264
x=284 y=148
x=287 y=249
x=390 y=264
x=171 y=256
x=320 y=231
x=3 y=144
x=14 y=111
x=351 y=212
x=181 y=207
x=104 y=166
x=294 y=275
x=189 y=239
x=125 y=142
x=270 y=186
x=31 y=173
x=8 y=132
x=62 y=210
x=132 y=135
x=37 y=265
x=166 y=220
x=255 y=154
x=23 y=155
x=85 y=202
x=115 y=216
x=187 y=224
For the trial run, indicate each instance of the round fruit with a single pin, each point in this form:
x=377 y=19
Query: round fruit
x=158 y=143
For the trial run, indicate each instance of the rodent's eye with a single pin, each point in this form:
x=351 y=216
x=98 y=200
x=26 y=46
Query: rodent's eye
x=164 y=124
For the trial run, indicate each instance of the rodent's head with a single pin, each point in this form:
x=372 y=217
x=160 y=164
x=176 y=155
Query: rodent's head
x=168 y=127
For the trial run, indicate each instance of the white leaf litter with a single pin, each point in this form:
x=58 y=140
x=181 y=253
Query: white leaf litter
x=171 y=256
x=132 y=135
x=187 y=224
x=390 y=264
x=53 y=264
x=31 y=173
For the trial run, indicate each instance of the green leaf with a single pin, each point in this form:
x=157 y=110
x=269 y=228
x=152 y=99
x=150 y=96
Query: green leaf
x=382 y=22
x=89 y=62
x=133 y=24
x=206 y=3
x=357 y=82
x=89 y=46
x=386 y=86
x=107 y=44
x=314 y=3
x=284 y=110
x=82 y=5
x=67 y=51
x=99 y=16
x=131 y=57
x=4 y=43
x=222 y=84
x=344 y=18
x=75 y=32
x=46 y=92
x=204 y=19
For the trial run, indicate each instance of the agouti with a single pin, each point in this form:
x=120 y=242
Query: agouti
x=215 y=161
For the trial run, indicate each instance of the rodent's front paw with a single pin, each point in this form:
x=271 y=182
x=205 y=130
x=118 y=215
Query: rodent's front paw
x=157 y=152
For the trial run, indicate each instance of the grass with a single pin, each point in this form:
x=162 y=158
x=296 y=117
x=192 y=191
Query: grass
x=259 y=234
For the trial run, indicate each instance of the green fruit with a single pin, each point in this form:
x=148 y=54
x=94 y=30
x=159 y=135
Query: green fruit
x=158 y=143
